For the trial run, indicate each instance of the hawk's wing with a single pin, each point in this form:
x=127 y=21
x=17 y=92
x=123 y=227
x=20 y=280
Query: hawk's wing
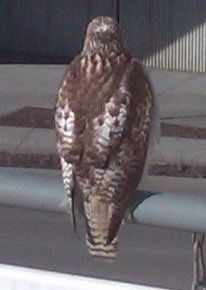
x=65 y=131
x=65 y=119
x=136 y=138
x=127 y=113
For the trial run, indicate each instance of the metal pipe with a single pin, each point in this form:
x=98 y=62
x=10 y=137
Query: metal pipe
x=20 y=187
x=173 y=210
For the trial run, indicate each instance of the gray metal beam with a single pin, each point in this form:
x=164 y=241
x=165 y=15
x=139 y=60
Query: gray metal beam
x=173 y=210
x=20 y=187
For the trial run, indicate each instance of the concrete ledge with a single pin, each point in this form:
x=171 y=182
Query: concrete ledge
x=170 y=150
x=27 y=279
x=181 y=151
x=31 y=85
x=179 y=93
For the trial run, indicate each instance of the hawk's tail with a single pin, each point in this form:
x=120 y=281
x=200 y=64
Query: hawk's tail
x=98 y=221
x=99 y=248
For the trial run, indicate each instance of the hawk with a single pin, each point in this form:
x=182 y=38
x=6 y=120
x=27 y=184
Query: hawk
x=103 y=119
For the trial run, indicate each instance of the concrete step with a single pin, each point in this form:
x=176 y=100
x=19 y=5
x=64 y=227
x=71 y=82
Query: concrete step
x=30 y=85
x=170 y=150
x=198 y=122
x=180 y=94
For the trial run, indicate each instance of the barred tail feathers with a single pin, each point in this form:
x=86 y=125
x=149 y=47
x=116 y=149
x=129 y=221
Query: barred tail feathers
x=98 y=248
x=98 y=220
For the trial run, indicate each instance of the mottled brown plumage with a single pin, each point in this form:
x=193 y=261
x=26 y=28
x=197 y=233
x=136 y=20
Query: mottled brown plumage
x=103 y=120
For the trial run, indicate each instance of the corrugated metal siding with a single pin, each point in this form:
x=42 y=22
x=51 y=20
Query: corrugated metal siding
x=48 y=28
x=27 y=21
x=167 y=34
x=67 y=22
x=162 y=33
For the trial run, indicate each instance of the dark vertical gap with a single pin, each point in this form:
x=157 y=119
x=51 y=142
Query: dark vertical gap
x=118 y=11
x=151 y=28
x=170 y=31
x=88 y=12
x=10 y=26
x=48 y=15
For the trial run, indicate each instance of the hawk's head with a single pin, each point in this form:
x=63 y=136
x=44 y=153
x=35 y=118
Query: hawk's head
x=102 y=32
x=103 y=26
